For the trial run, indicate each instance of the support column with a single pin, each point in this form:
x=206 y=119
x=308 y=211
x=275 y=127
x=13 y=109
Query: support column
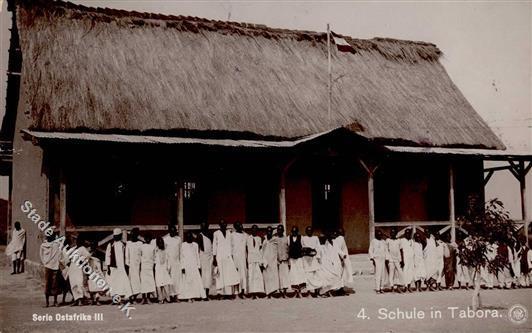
x=180 y=208
x=371 y=206
x=522 y=183
x=282 y=202
x=452 y=217
x=62 y=204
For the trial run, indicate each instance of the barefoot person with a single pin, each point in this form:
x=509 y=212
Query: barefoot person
x=76 y=276
x=172 y=244
x=133 y=258
x=395 y=260
x=96 y=264
x=281 y=241
x=238 y=242
x=15 y=248
x=340 y=244
x=205 y=253
x=226 y=276
x=115 y=263
x=407 y=247
x=50 y=254
x=310 y=258
x=191 y=284
x=147 y=262
x=256 y=280
x=377 y=254
x=269 y=263
x=298 y=277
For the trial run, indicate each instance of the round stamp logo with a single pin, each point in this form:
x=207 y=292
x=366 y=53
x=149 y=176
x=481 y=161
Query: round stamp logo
x=517 y=314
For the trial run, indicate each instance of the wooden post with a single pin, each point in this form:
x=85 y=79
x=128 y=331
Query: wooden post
x=282 y=205
x=371 y=206
x=452 y=217
x=180 y=208
x=522 y=183
x=62 y=204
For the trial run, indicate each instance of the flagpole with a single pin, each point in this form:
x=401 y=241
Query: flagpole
x=329 y=83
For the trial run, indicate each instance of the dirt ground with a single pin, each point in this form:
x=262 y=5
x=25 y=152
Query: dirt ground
x=22 y=300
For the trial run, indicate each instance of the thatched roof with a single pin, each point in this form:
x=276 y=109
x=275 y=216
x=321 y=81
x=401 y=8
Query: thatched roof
x=113 y=71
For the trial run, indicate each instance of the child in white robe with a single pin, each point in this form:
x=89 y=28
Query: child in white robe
x=269 y=263
x=191 y=284
x=115 y=263
x=330 y=267
x=226 y=275
x=394 y=257
x=162 y=271
x=133 y=257
x=420 y=273
x=96 y=265
x=347 y=269
x=238 y=243
x=256 y=280
x=281 y=241
x=377 y=254
x=147 y=262
x=311 y=263
x=298 y=278
x=205 y=253
x=172 y=244
x=76 y=276
x=407 y=246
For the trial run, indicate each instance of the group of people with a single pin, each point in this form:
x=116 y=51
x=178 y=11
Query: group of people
x=418 y=261
x=228 y=264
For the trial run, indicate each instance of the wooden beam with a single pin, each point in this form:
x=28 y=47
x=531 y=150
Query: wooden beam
x=452 y=217
x=410 y=223
x=62 y=203
x=371 y=206
x=499 y=168
x=143 y=227
x=522 y=185
x=282 y=205
x=180 y=209
x=527 y=168
x=488 y=177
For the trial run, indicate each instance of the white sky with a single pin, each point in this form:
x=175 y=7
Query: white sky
x=486 y=46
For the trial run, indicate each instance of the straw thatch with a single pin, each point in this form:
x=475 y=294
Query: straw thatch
x=104 y=70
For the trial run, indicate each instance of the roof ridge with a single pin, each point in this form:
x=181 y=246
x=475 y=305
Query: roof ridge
x=195 y=24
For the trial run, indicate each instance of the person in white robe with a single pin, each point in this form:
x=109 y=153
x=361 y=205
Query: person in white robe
x=529 y=259
x=50 y=254
x=517 y=252
x=298 y=278
x=147 y=262
x=115 y=263
x=485 y=274
x=395 y=259
x=256 y=280
x=430 y=261
x=205 y=253
x=407 y=246
x=420 y=272
x=76 y=277
x=311 y=263
x=439 y=260
x=377 y=254
x=238 y=243
x=191 y=284
x=330 y=267
x=15 y=248
x=163 y=279
x=226 y=275
x=462 y=271
x=283 y=259
x=347 y=268
x=133 y=258
x=172 y=244
x=97 y=272
x=269 y=263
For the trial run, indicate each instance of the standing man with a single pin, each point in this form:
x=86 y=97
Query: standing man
x=347 y=269
x=395 y=261
x=115 y=263
x=15 y=248
x=226 y=275
x=311 y=264
x=238 y=242
x=256 y=280
x=133 y=259
x=377 y=254
x=281 y=241
x=147 y=262
x=172 y=246
x=269 y=263
x=407 y=247
x=205 y=254
x=50 y=253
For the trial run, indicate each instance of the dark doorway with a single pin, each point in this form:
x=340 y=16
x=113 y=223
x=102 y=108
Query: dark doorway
x=326 y=205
